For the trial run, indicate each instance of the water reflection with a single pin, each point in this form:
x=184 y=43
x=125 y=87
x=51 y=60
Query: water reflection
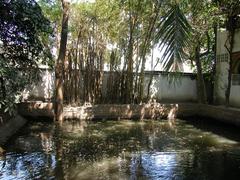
x=121 y=150
x=27 y=166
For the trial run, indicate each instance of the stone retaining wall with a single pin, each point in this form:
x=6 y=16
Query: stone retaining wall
x=105 y=111
x=126 y=111
x=220 y=113
x=36 y=109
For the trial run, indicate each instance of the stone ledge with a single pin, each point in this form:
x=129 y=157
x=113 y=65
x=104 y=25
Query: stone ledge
x=36 y=109
x=127 y=111
x=220 y=113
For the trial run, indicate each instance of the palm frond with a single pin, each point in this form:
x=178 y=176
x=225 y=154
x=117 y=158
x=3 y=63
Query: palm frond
x=173 y=34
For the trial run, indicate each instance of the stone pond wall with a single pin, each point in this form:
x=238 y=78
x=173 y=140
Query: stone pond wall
x=102 y=111
x=127 y=111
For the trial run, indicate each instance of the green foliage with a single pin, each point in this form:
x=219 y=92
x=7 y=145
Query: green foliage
x=23 y=34
x=129 y=28
x=174 y=32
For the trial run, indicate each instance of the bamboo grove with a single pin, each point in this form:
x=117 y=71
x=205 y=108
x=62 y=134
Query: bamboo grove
x=96 y=43
x=120 y=35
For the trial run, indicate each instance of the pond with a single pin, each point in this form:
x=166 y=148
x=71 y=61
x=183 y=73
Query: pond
x=123 y=150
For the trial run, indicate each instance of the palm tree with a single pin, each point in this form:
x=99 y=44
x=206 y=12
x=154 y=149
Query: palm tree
x=174 y=32
x=177 y=36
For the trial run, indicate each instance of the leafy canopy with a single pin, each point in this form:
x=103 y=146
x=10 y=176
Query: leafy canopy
x=23 y=35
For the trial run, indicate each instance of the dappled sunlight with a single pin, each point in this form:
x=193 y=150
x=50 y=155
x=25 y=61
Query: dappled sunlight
x=40 y=90
x=134 y=166
x=47 y=142
x=94 y=89
x=172 y=112
x=211 y=139
x=75 y=127
x=155 y=90
x=160 y=165
x=36 y=109
x=123 y=124
x=144 y=149
x=108 y=168
x=27 y=166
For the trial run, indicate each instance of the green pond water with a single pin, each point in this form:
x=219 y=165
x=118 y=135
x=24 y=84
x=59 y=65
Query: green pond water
x=123 y=150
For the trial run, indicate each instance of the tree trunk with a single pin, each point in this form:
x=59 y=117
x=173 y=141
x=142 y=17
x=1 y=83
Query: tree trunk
x=59 y=170
x=3 y=88
x=213 y=76
x=151 y=76
x=201 y=90
x=231 y=34
x=146 y=46
x=129 y=89
x=110 y=95
x=60 y=64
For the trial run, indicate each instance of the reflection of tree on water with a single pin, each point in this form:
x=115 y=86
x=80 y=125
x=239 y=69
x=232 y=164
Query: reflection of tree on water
x=46 y=141
x=31 y=157
x=27 y=166
x=115 y=142
x=113 y=150
x=136 y=168
x=64 y=144
x=3 y=160
x=59 y=169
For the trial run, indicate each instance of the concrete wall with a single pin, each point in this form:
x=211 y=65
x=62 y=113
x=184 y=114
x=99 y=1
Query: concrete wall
x=42 y=90
x=130 y=111
x=222 y=70
x=163 y=88
x=166 y=89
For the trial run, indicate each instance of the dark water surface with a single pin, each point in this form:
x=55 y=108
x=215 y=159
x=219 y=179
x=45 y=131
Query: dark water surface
x=123 y=150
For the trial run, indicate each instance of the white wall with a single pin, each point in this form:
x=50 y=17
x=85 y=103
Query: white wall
x=222 y=70
x=183 y=89
x=42 y=90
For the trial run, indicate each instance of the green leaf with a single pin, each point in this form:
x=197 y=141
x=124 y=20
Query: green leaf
x=173 y=34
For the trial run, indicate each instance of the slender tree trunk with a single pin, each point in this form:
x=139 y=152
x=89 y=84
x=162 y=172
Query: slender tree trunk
x=3 y=89
x=123 y=86
x=67 y=79
x=60 y=64
x=201 y=89
x=59 y=170
x=70 y=88
x=129 y=89
x=110 y=94
x=151 y=76
x=214 y=66
x=231 y=34
x=136 y=77
x=146 y=45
